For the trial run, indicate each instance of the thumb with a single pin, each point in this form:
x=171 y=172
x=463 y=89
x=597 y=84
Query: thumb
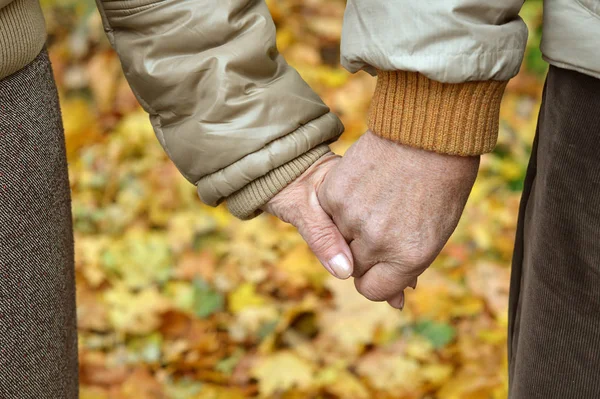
x=326 y=241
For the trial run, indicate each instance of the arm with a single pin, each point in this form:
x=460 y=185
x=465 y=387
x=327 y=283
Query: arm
x=442 y=66
x=236 y=120
x=398 y=193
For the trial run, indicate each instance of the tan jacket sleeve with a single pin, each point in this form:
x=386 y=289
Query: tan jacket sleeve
x=233 y=116
x=442 y=66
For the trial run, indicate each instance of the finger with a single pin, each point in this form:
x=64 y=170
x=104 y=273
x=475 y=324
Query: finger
x=363 y=259
x=397 y=301
x=334 y=210
x=413 y=284
x=326 y=241
x=382 y=282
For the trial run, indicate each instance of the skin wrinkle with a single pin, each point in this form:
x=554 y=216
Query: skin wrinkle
x=395 y=221
x=388 y=208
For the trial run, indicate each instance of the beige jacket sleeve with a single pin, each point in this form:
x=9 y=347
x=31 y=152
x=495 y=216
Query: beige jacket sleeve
x=234 y=117
x=442 y=66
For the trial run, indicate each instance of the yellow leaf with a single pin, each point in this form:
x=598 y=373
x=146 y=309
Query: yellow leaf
x=243 y=297
x=282 y=372
x=394 y=373
x=467 y=386
x=341 y=383
x=302 y=267
x=136 y=313
x=437 y=374
x=79 y=124
x=419 y=348
x=354 y=320
x=92 y=393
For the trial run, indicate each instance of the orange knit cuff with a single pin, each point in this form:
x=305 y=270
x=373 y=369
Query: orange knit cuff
x=449 y=118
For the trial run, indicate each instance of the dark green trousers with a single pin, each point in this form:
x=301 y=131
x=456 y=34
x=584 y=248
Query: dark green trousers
x=38 y=334
x=554 y=309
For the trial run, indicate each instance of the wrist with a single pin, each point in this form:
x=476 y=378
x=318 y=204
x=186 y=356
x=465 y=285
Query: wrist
x=248 y=202
x=419 y=163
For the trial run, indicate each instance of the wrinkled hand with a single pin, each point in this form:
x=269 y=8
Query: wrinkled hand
x=298 y=204
x=396 y=206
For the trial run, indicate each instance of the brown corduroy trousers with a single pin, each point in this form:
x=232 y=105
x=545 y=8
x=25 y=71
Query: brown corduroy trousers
x=38 y=334
x=554 y=306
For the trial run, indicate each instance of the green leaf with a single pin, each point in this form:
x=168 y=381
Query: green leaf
x=227 y=365
x=266 y=329
x=206 y=300
x=439 y=334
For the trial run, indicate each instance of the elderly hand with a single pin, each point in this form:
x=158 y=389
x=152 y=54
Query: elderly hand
x=298 y=204
x=396 y=206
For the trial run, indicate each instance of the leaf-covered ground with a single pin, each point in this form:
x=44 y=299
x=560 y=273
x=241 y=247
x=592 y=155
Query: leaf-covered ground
x=179 y=300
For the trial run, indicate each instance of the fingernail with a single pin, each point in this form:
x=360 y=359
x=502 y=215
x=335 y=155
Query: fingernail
x=402 y=302
x=341 y=266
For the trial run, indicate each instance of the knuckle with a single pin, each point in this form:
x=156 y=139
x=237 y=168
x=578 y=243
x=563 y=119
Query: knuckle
x=335 y=203
x=419 y=255
x=319 y=238
x=377 y=236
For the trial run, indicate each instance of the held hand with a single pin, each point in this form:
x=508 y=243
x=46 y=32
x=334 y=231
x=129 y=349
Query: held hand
x=396 y=206
x=298 y=204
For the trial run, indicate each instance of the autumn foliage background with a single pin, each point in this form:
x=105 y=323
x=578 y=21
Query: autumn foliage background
x=179 y=300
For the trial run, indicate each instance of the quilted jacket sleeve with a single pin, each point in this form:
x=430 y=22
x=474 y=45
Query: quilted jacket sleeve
x=442 y=66
x=234 y=117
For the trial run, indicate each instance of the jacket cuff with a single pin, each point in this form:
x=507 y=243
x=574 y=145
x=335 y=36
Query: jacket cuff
x=245 y=203
x=449 y=118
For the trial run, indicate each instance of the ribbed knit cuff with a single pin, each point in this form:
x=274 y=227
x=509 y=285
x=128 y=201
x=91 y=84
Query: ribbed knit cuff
x=245 y=203
x=449 y=118
x=22 y=35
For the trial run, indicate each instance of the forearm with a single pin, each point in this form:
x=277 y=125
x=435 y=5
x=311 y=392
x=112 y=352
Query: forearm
x=224 y=104
x=442 y=68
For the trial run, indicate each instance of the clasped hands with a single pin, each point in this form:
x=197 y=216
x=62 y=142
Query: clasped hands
x=380 y=214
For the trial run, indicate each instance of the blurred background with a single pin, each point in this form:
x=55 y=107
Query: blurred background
x=179 y=300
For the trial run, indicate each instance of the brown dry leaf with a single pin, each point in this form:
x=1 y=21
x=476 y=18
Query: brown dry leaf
x=92 y=313
x=209 y=391
x=491 y=282
x=467 y=386
x=139 y=384
x=104 y=70
x=289 y=314
x=354 y=320
x=96 y=368
x=392 y=372
x=192 y=265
